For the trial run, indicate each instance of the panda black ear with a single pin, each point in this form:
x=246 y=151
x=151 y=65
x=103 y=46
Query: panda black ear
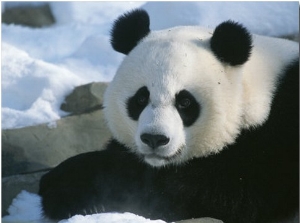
x=129 y=29
x=231 y=43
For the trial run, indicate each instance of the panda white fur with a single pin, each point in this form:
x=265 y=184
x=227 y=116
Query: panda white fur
x=204 y=122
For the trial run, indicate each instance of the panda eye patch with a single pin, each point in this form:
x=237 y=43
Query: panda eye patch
x=187 y=107
x=137 y=103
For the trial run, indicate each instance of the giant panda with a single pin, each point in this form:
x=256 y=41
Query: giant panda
x=204 y=124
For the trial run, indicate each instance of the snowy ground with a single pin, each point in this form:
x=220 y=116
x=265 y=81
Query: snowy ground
x=41 y=66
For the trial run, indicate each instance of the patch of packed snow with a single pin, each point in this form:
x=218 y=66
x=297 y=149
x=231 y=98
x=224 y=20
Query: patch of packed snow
x=41 y=66
x=25 y=207
x=110 y=218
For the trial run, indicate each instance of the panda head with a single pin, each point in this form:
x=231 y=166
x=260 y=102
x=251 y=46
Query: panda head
x=176 y=95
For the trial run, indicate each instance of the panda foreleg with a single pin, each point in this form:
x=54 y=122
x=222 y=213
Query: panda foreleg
x=93 y=182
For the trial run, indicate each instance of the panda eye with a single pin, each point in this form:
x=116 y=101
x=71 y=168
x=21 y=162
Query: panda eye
x=184 y=103
x=137 y=103
x=142 y=100
x=187 y=107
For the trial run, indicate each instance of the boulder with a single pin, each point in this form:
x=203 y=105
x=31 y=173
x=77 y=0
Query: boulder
x=30 y=151
x=33 y=16
x=43 y=146
x=85 y=98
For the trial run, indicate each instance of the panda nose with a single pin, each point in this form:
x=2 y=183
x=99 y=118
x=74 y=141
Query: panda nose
x=154 y=141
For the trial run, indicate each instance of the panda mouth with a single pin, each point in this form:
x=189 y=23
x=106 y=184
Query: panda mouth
x=154 y=156
x=165 y=158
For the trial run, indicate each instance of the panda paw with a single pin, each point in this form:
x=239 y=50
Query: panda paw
x=64 y=203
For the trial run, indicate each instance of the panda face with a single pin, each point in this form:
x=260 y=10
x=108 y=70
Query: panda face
x=160 y=134
x=168 y=101
x=179 y=92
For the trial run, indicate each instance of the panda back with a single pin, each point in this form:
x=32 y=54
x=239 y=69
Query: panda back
x=268 y=64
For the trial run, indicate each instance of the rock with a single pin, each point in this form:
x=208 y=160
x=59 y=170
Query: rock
x=13 y=161
x=296 y=37
x=293 y=37
x=39 y=147
x=28 y=151
x=85 y=98
x=33 y=16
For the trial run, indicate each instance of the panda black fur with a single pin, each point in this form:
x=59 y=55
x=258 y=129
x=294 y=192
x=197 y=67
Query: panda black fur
x=204 y=125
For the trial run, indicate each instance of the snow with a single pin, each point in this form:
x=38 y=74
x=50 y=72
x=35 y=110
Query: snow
x=26 y=207
x=110 y=218
x=41 y=66
x=264 y=18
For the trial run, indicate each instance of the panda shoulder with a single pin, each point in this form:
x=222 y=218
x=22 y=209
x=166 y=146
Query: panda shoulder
x=269 y=64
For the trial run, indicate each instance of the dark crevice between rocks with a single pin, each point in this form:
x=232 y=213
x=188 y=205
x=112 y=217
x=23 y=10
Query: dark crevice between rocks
x=86 y=111
x=36 y=171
